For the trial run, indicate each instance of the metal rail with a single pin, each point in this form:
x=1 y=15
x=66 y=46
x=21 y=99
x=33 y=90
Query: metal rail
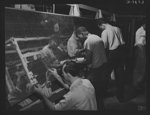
x=23 y=60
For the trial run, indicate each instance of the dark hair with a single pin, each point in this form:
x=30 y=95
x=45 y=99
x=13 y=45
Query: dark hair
x=113 y=23
x=52 y=39
x=56 y=40
x=102 y=21
x=81 y=29
x=72 y=67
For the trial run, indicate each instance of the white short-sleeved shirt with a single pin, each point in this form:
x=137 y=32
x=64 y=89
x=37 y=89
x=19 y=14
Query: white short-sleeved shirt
x=140 y=36
x=73 y=45
x=80 y=97
x=95 y=44
x=112 y=37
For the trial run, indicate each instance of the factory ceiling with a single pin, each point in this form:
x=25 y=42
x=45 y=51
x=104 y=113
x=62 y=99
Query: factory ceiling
x=135 y=7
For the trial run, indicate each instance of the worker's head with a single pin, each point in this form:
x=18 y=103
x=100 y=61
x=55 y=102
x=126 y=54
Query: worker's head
x=70 y=71
x=53 y=43
x=82 y=33
x=102 y=23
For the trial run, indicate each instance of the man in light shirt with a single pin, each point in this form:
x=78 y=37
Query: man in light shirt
x=73 y=45
x=95 y=59
x=111 y=35
x=81 y=95
x=95 y=47
x=140 y=59
x=115 y=49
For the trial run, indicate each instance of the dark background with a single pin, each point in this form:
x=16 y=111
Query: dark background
x=20 y=23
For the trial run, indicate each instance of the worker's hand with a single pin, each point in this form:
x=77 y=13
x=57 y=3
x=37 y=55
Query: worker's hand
x=37 y=91
x=47 y=91
x=53 y=71
x=40 y=92
x=29 y=87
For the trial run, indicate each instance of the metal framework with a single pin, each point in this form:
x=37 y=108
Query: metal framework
x=23 y=57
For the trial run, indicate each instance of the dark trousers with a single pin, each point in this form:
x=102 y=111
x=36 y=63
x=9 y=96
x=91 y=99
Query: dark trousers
x=139 y=67
x=116 y=60
x=99 y=77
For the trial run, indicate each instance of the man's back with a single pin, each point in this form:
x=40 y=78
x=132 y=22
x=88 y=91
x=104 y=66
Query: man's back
x=84 y=95
x=95 y=44
x=80 y=97
x=112 y=37
x=119 y=35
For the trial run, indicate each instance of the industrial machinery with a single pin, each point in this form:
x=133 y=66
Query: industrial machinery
x=25 y=68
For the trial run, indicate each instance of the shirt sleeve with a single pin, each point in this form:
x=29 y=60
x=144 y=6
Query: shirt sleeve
x=105 y=38
x=72 y=48
x=66 y=103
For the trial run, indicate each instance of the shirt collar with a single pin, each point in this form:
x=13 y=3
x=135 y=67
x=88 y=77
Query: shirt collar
x=76 y=83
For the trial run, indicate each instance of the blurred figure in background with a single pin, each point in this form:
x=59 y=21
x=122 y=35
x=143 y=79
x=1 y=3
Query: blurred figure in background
x=140 y=59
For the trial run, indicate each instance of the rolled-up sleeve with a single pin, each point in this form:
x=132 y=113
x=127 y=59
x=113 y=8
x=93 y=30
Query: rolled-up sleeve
x=65 y=104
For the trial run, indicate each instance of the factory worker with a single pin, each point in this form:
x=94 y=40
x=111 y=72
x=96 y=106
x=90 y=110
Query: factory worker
x=81 y=95
x=139 y=71
x=115 y=49
x=95 y=59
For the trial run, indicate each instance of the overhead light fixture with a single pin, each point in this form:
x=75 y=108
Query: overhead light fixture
x=98 y=14
x=74 y=10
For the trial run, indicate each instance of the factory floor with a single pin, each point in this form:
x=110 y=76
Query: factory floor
x=133 y=101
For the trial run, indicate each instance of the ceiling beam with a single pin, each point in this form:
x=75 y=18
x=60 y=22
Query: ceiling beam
x=92 y=8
